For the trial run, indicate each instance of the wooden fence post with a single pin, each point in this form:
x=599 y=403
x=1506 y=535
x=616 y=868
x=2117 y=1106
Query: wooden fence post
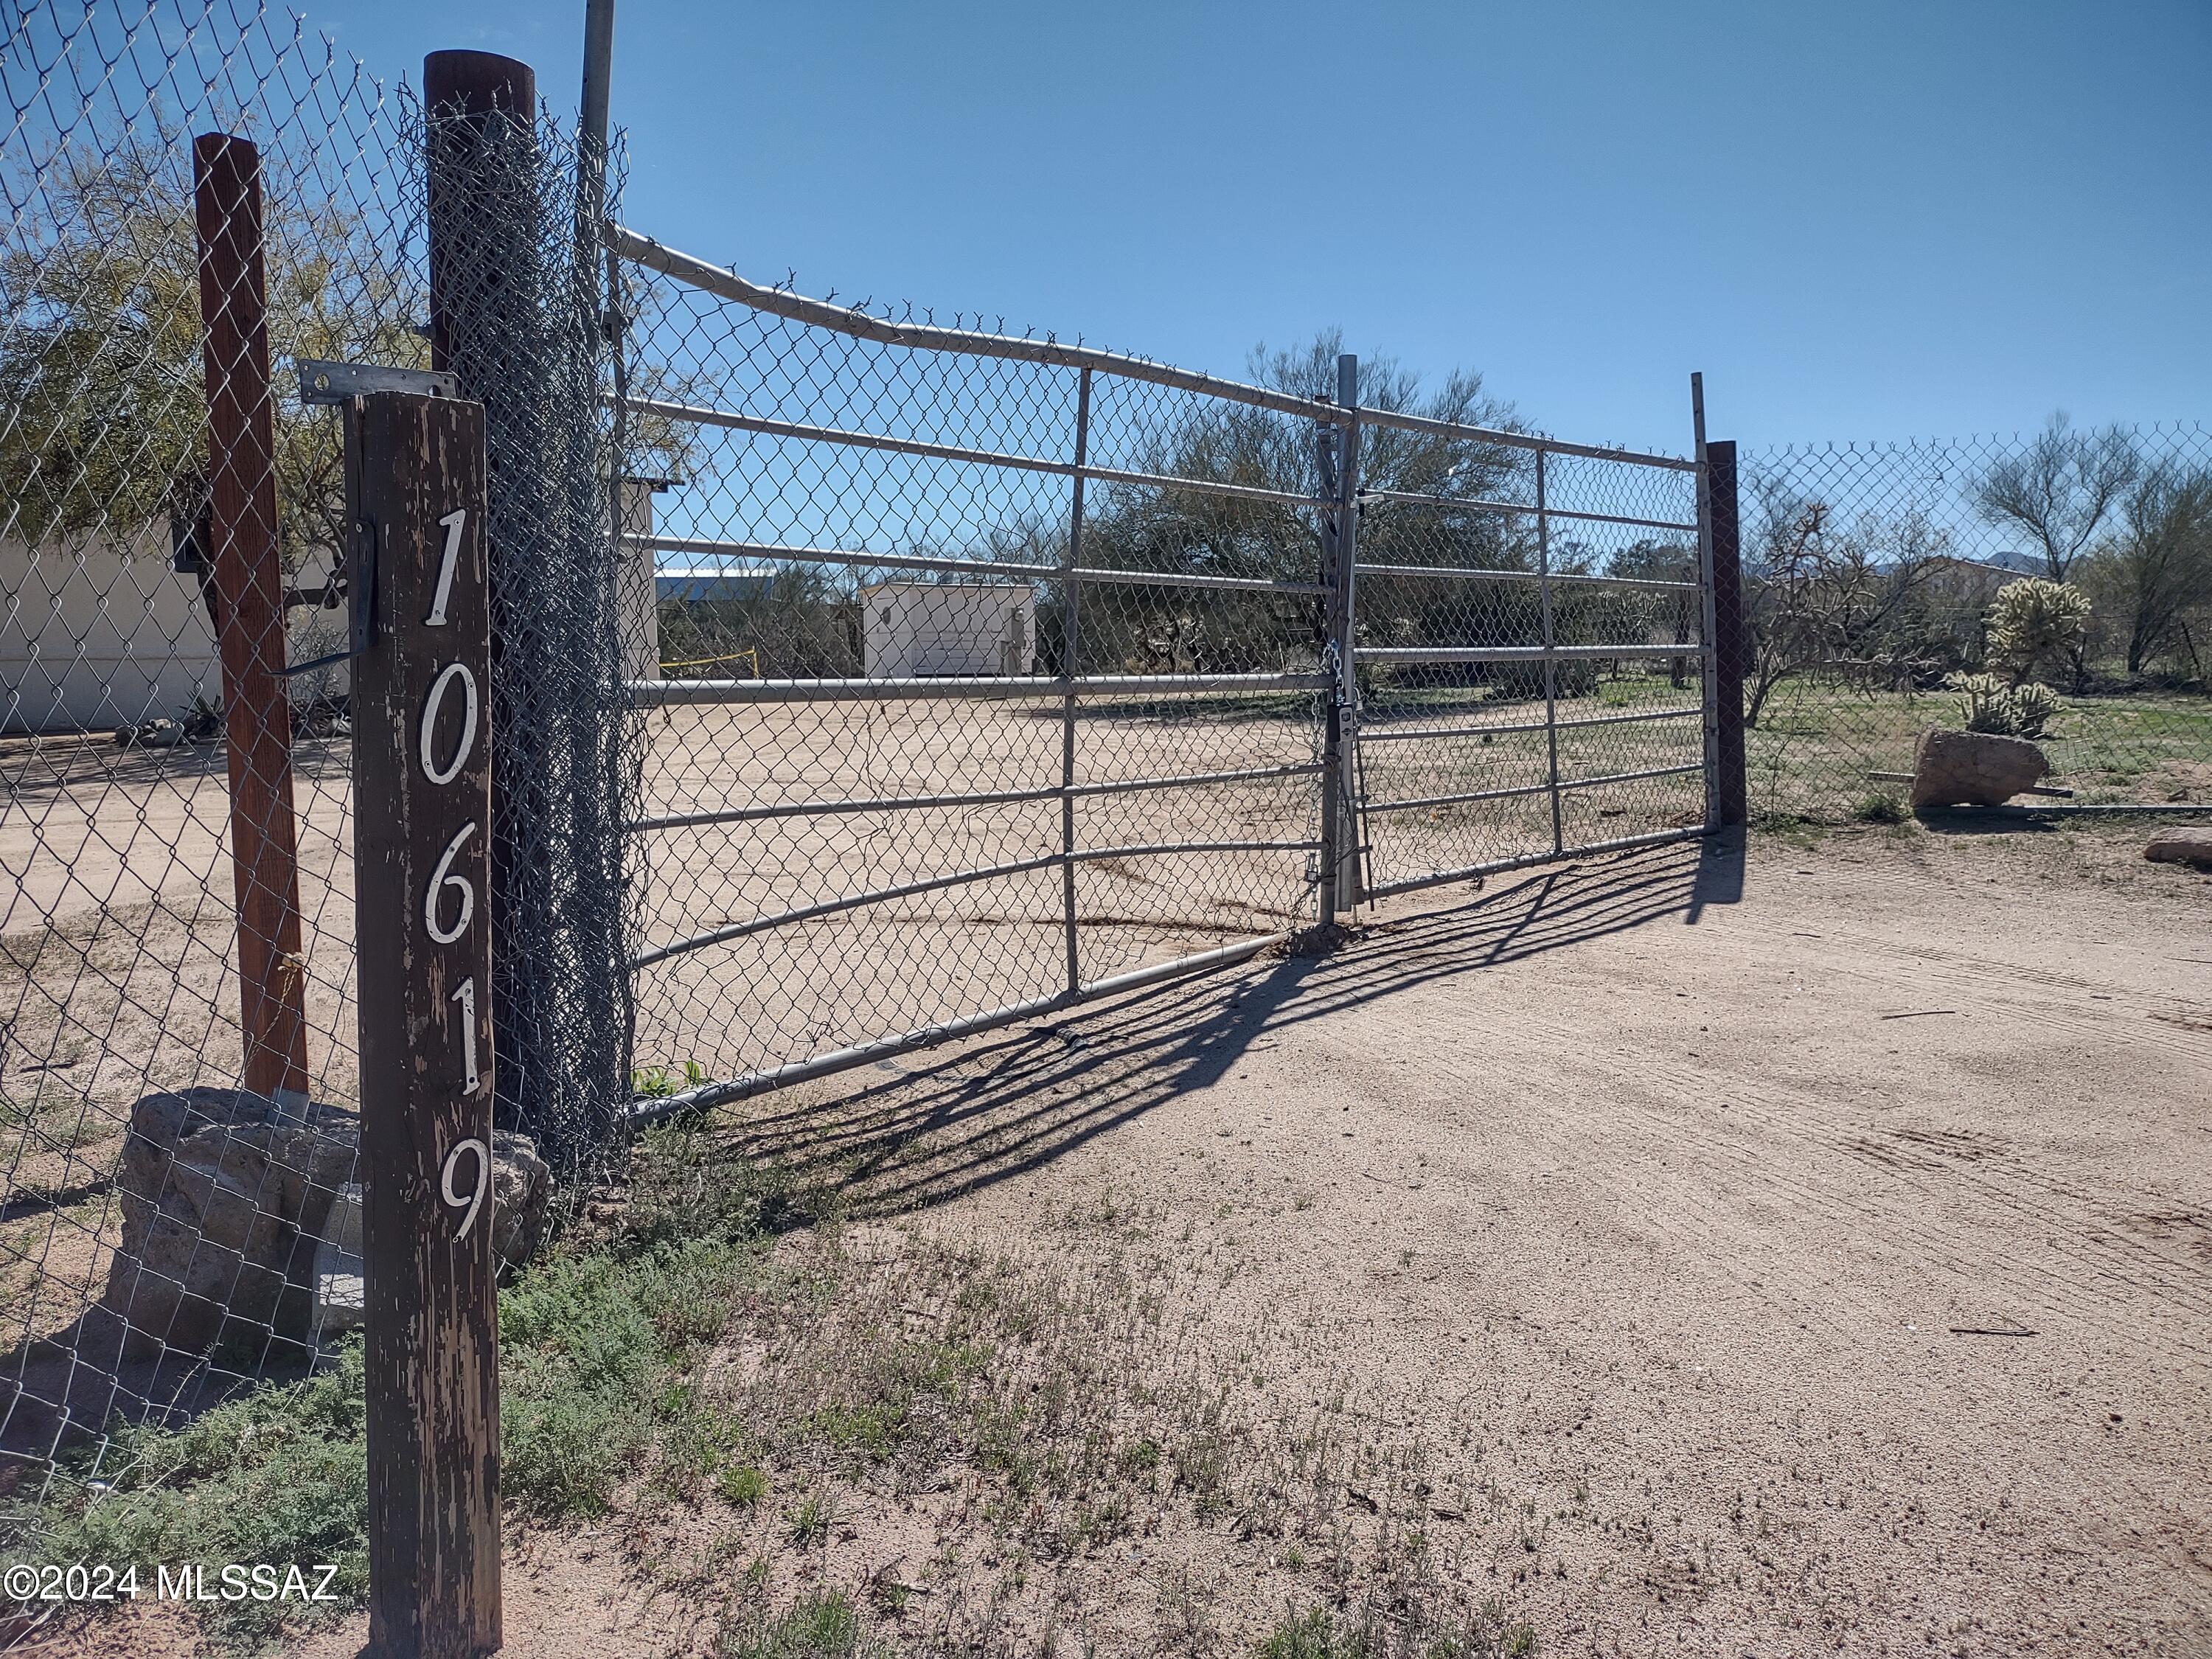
x=248 y=586
x=415 y=483
x=1731 y=790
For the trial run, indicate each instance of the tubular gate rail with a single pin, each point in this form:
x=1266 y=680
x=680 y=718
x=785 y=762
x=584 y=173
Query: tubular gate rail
x=1068 y=649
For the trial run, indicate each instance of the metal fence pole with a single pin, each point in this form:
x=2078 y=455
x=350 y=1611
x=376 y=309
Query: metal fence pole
x=1709 y=679
x=504 y=317
x=474 y=99
x=1324 y=436
x=422 y=733
x=591 y=238
x=1732 y=791
x=1071 y=646
x=1551 y=663
x=249 y=588
x=1342 y=779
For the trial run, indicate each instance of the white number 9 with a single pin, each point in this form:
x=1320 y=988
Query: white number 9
x=471 y=1201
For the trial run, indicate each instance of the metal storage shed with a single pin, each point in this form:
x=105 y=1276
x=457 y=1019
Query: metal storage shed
x=940 y=630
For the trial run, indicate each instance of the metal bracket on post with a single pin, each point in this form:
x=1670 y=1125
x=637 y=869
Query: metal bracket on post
x=335 y=385
x=323 y=384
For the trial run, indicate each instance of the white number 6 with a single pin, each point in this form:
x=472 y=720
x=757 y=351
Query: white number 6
x=444 y=877
x=472 y=1200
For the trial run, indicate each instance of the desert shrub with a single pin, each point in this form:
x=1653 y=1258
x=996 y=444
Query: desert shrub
x=1883 y=807
x=2035 y=625
x=1986 y=703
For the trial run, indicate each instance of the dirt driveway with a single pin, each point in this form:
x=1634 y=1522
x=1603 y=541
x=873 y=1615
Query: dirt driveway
x=1806 y=1254
x=1691 y=1201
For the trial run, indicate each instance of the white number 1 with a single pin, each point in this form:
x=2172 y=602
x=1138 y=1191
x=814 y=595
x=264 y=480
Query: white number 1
x=452 y=524
x=466 y=996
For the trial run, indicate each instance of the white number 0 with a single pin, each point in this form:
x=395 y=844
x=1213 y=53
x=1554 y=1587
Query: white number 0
x=444 y=877
x=452 y=770
x=472 y=1200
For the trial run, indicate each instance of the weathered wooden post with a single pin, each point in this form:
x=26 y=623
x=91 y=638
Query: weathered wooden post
x=1731 y=638
x=415 y=492
x=248 y=592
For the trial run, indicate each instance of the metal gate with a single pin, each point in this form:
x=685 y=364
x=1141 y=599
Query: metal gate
x=1532 y=653
x=976 y=676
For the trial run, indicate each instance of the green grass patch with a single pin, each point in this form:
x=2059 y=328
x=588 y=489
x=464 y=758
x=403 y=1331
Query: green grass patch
x=823 y=1625
x=280 y=1476
x=599 y=1344
x=1408 y=1633
x=742 y=1487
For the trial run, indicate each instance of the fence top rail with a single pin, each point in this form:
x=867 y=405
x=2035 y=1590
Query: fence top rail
x=726 y=284
x=1407 y=422
x=845 y=319
x=1034 y=688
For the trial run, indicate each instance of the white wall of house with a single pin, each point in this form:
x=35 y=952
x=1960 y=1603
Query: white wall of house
x=96 y=636
x=914 y=629
x=637 y=598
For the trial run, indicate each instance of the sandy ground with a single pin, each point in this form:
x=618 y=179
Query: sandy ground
x=1821 y=1250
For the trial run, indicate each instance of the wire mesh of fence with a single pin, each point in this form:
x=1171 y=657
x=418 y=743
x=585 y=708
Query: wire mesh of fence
x=176 y=968
x=179 y=1207
x=1875 y=592
x=516 y=311
x=1531 y=643
x=993 y=672
x=972 y=682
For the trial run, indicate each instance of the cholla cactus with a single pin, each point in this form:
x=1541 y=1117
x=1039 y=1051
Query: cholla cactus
x=2033 y=705
x=1987 y=704
x=1984 y=703
x=2034 y=622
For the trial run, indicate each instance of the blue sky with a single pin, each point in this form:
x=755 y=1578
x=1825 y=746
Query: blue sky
x=1860 y=221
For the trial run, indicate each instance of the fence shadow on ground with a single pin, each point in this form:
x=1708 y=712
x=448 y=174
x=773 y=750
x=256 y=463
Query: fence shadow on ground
x=950 y=1126
x=930 y=1128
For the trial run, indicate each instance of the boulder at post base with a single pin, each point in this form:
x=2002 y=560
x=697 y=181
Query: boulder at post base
x=225 y=1199
x=1973 y=768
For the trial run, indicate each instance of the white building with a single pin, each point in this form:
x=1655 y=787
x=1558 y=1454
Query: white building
x=914 y=630
x=98 y=634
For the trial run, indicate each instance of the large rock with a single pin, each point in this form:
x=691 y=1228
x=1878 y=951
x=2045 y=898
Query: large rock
x=1973 y=768
x=2179 y=846
x=225 y=1200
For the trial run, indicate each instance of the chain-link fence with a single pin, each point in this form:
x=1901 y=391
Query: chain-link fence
x=199 y=201
x=1532 y=657
x=971 y=680
x=1875 y=587
x=176 y=914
